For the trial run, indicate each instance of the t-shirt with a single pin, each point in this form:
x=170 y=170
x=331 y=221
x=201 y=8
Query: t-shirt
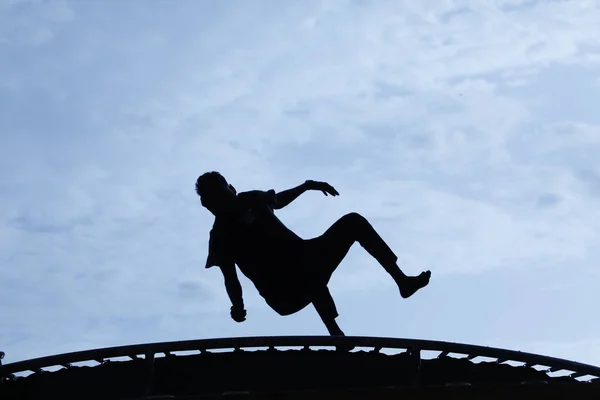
x=264 y=249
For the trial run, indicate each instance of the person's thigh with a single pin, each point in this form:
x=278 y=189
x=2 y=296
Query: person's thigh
x=324 y=253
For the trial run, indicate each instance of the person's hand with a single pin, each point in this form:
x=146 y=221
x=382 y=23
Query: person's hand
x=238 y=314
x=324 y=187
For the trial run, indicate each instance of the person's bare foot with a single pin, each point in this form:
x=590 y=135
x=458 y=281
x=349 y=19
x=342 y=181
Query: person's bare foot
x=336 y=331
x=411 y=284
x=344 y=347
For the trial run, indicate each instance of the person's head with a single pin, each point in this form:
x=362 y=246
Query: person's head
x=215 y=193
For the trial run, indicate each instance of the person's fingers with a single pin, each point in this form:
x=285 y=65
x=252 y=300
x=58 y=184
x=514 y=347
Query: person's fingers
x=331 y=189
x=326 y=188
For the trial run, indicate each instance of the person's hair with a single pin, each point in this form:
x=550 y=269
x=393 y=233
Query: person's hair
x=207 y=182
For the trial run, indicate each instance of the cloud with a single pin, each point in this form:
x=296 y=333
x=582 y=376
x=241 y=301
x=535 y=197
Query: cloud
x=463 y=132
x=33 y=22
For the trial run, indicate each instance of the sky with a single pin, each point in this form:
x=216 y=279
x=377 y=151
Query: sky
x=466 y=132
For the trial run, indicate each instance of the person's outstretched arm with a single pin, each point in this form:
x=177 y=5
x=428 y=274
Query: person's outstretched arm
x=287 y=196
x=234 y=290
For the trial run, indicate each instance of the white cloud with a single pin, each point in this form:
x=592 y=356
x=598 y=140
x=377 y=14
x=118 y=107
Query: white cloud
x=33 y=22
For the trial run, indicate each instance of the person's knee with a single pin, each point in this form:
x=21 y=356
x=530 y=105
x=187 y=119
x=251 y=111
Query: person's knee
x=355 y=218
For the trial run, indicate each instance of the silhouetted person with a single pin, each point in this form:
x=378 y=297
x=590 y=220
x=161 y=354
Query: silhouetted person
x=288 y=271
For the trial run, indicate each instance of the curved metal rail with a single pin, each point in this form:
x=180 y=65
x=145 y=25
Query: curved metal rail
x=414 y=346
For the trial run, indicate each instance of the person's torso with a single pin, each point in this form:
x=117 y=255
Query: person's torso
x=260 y=242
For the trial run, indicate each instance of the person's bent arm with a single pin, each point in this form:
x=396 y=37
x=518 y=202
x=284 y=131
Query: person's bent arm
x=287 y=196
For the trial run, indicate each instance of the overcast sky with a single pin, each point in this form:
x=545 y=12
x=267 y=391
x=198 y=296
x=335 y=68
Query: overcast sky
x=467 y=132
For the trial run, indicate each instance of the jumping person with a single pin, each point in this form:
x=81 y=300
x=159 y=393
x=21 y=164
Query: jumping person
x=289 y=272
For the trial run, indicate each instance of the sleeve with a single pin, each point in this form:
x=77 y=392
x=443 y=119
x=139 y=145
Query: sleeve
x=261 y=197
x=217 y=251
x=271 y=198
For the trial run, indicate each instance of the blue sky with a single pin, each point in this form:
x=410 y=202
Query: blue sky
x=466 y=132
